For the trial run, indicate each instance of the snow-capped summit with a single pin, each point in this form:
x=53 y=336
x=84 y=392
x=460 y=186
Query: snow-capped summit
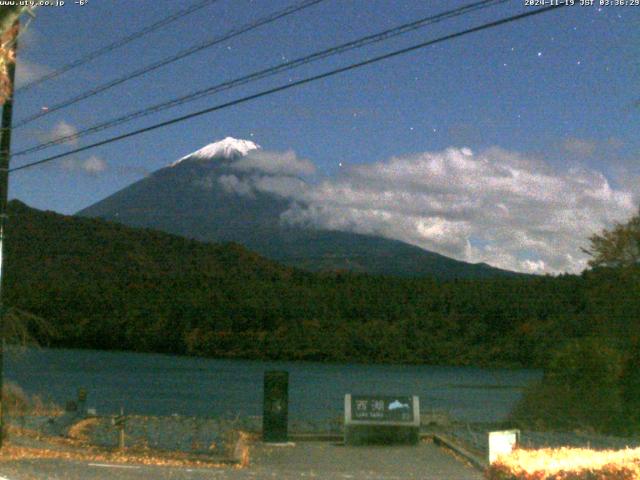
x=224 y=149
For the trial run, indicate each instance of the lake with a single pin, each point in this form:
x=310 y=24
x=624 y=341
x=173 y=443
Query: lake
x=154 y=384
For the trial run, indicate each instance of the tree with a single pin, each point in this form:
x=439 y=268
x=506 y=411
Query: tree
x=8 y=35
x=630 y=385
x=618 y=247
x=580 y=389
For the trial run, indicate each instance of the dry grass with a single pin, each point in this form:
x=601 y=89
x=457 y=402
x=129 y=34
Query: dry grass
x=567 y=464
x=237 y=446
x=80 y=431
x=17 y=403
x=11 y=452
x=76 y=447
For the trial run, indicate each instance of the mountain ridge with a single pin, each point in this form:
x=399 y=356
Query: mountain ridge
x=205 y=196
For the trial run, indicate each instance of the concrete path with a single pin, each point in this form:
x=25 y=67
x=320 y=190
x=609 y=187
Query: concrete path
x=305 y=460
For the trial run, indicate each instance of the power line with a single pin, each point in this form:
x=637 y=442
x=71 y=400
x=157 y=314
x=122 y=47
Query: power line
x=287 y=86
x=117 y=44
x=282 y=67
x=180 y=55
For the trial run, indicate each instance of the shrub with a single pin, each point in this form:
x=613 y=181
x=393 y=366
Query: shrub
x=630 y=390
x=16 y=403
x=580 y=390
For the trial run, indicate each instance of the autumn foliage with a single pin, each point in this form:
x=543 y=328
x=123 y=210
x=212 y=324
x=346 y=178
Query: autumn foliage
x=567 y=464
x=7 y=56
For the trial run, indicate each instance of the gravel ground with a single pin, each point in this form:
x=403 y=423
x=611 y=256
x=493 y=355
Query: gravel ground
x=321 y=460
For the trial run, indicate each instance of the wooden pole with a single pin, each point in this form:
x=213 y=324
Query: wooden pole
x=121 y=427
x=5 y=152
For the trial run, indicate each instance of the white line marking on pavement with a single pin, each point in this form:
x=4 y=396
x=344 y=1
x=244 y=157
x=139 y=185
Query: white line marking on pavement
x=108 y=465
x=3 y=478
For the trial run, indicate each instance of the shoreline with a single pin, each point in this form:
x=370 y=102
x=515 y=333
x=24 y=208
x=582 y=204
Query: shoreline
x=489 y=366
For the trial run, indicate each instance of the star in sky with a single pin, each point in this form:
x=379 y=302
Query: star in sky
x=384 y=136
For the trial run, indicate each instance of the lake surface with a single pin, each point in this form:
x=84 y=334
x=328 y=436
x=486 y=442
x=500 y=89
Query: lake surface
x=153 y=384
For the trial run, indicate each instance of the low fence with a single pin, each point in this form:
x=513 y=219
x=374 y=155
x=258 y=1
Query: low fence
x=177 y=433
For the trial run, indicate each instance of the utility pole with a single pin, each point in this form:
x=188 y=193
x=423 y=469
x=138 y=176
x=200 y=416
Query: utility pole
x=5 y=152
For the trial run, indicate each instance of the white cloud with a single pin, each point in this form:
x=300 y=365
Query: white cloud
x=271 y=172
x=62 y=130
x=275 y=163
x=247 y=185
x=27 y=72
x=525 y=215
x=288 y=187
x=533 y=266
x=92 y=166
x=497 y=206
x=232 y=184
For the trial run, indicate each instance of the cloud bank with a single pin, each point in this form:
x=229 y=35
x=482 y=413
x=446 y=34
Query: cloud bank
x=27 y=72
x=498 y=206
x=279 y=173
x=274 y=163
x=92 y=166
x=63 y=130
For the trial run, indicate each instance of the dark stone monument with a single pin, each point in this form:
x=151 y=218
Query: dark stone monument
x=381 y=419
x=276 y=407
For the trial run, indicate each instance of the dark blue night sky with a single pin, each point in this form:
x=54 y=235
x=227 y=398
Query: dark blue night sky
x=509 y=146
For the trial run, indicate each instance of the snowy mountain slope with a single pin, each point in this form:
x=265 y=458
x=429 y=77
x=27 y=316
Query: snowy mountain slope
x=193 y=197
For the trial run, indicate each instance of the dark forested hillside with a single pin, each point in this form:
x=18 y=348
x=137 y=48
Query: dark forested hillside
x=104 y=285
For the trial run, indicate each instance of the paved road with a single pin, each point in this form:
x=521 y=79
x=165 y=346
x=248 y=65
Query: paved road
x=320 y=460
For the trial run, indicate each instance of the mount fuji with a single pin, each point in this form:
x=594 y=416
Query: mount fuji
x=207 y=197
